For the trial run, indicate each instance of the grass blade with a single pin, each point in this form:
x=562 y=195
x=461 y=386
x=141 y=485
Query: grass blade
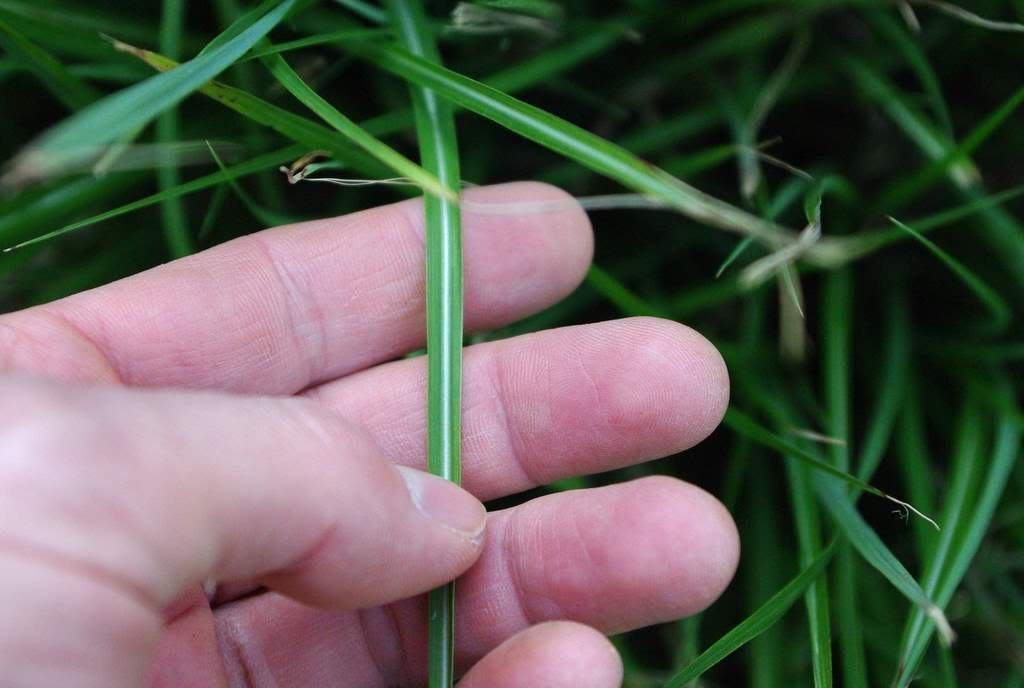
x=108 y=120
x=268 y=217
x=949 y=575
x=874 y=551
x=172 y=211
x=997 y=307
x=572 y=141
x=318 y=39
x=841 y=508
x=746 y=426
x=404 y=167
x=836 y=335
x=257 y=164
x=439 y=153
x=624 y=298
x=755 y=624
x=65 y=86
x=816 y=599
x=295 y=127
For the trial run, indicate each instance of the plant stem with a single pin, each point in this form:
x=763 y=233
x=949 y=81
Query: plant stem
x=435 y=130
x=172 y=210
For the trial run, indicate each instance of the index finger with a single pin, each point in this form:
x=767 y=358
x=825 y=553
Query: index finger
x=277 y=311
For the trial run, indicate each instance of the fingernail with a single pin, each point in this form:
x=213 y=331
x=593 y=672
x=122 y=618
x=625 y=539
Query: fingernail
x=445 y=502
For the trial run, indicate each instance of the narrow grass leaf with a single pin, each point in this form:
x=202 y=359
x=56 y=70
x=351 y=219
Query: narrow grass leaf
x=874 y=551
x=571 y=141
x=892 y=388
x=263 y=162
x=737 y=251
x=750 y=168
x=267 y=217
x=837 y=319
x=439 y=153
x=295 y=127
x=913 y=186
x=746 y=426
x=971 y=18
x=108 y=120
x=807 y=522
x=65 y=86
x=172 y=210
x=311 y=41
x=916 y=59
x=998 y=308
x=619 y=294
x=754 y=625
x=288 y=78
x=22 y=216
x=969 y=537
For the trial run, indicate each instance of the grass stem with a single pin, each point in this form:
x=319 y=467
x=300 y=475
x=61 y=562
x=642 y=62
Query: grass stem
x=435 y=131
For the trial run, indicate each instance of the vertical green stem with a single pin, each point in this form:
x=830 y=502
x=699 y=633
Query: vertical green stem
x=836 y=333
x=435 y=130
x=172 y=211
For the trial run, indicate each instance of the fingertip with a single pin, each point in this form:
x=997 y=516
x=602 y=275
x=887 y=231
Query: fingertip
x=668 y=384
x=557 y=654
x=700 y=552
x=544 y=227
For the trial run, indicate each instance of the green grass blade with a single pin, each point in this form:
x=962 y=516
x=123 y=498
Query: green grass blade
x=366 y=10
x=1000 y=230
x=913 y=186
x=914 y=462
x=268 y=217
x=310 y=41
x=816 y=599
x=935 y=147
x=257 y=164
x=65 y=86
x=755 y=624
x=997 y=306
x=22 y=216
x=837 y=304
x=763 y=542
x=841 y=508
x=749 y=162
x=108 y=120
x=874 y=551
x=172 y=210
x=295 y=127
x=242 y=23
x=559 y=59
x=735 y=253
x=404 y=167
x=746 y=426
x=624 y=298
x=916 y=59
x=970 y=534
x=92 y=18
x=439 y=153
x=872 y=240
x=892 y=389
x=569 y=140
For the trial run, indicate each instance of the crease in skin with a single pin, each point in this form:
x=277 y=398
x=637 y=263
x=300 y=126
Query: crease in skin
x=93 y=572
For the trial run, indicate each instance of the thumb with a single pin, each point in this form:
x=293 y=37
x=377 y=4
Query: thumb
x=120 y=500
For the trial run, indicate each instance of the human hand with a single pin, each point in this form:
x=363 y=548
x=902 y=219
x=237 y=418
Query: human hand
x=124 y=491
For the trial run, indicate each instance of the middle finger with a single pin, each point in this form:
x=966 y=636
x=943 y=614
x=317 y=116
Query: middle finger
x=553 y=404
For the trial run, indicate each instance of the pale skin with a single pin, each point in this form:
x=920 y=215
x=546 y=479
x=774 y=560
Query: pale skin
x=240 y=415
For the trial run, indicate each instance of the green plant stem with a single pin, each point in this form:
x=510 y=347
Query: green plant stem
x=172 y=210
x=435 y=131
